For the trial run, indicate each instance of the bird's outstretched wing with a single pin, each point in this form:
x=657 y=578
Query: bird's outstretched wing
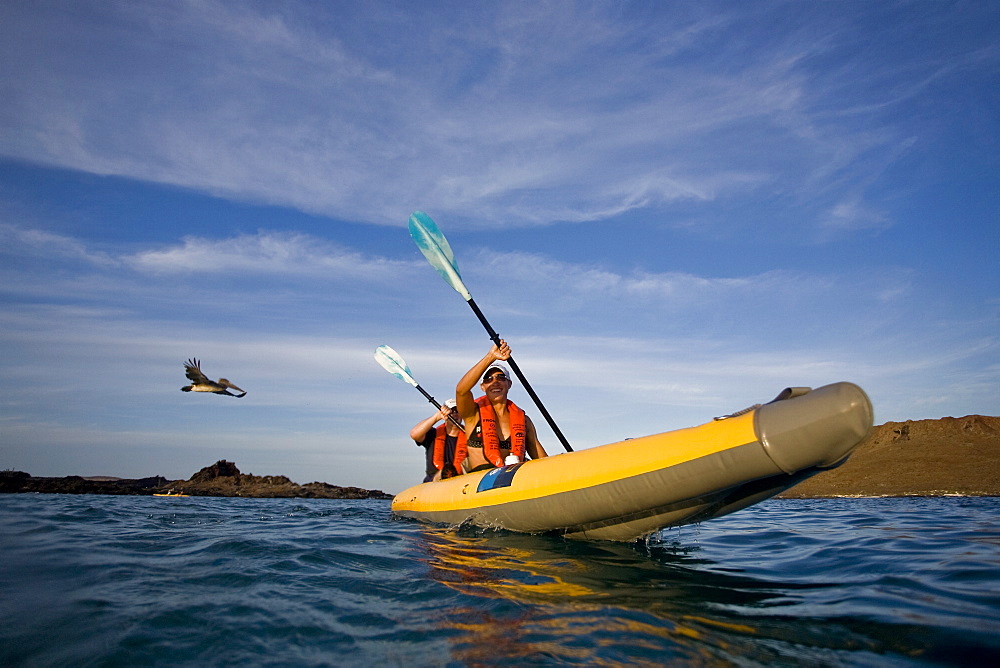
x=192 y=369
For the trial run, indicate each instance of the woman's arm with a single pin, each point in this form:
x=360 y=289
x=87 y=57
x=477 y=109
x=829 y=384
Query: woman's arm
x=464 y=400
x=533 y=447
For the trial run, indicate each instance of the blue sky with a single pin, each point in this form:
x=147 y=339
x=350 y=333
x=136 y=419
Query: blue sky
x=670 y=210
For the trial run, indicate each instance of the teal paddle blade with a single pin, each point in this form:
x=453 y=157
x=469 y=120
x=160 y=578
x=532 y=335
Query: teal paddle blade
x=394 y=364
x=437 y=250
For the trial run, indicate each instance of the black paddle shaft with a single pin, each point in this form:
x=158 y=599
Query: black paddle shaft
x=527 y=386
x=434 y=401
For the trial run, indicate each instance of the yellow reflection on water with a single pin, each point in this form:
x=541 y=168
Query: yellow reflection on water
x=474 y=566
x=572 y=606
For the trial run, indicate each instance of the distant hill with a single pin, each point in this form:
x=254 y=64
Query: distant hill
x=917 y=457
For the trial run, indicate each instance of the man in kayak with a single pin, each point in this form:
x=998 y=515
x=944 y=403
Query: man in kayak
x=445 y=445
x=494 y=425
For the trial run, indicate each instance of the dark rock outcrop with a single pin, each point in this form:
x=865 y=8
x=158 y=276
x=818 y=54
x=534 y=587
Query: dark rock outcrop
x=222 y=478
x=225 y=479
x=220 y=469
x=74 y=484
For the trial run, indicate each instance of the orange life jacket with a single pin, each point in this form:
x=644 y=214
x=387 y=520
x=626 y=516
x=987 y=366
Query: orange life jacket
x=461 y=449
x=491 y=435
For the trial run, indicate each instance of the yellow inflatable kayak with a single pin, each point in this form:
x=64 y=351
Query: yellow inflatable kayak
x=624 y=491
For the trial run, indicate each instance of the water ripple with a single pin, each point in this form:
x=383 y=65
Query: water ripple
x=94 y=580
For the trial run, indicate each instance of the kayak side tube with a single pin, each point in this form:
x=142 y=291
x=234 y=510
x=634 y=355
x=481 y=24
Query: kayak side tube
x=626 y=490
x=817 y=428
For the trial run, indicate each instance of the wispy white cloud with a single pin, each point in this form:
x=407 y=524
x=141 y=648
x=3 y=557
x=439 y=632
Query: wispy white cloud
x=271 y=279
x=854 y=214
x=513 y=115
x=672 y=302
x=266 y=253
x=37 y=243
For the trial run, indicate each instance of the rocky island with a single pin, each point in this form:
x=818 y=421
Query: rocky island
x=222 y=478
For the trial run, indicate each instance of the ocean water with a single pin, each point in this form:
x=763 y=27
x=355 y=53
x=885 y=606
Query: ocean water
x=90 y=580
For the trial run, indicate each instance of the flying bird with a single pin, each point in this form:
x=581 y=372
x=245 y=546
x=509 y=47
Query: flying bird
x=201 y=383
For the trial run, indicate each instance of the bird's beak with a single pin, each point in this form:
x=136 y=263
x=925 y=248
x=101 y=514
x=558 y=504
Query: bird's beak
x=231 y=386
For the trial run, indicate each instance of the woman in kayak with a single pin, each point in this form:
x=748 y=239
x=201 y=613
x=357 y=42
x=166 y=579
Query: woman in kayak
x=494 y=425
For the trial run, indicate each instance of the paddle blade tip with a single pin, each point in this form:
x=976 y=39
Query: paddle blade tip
x=390 y=360
x=435 y=247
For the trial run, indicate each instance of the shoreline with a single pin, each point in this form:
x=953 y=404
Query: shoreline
x=222 y=479
x=947 y=457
